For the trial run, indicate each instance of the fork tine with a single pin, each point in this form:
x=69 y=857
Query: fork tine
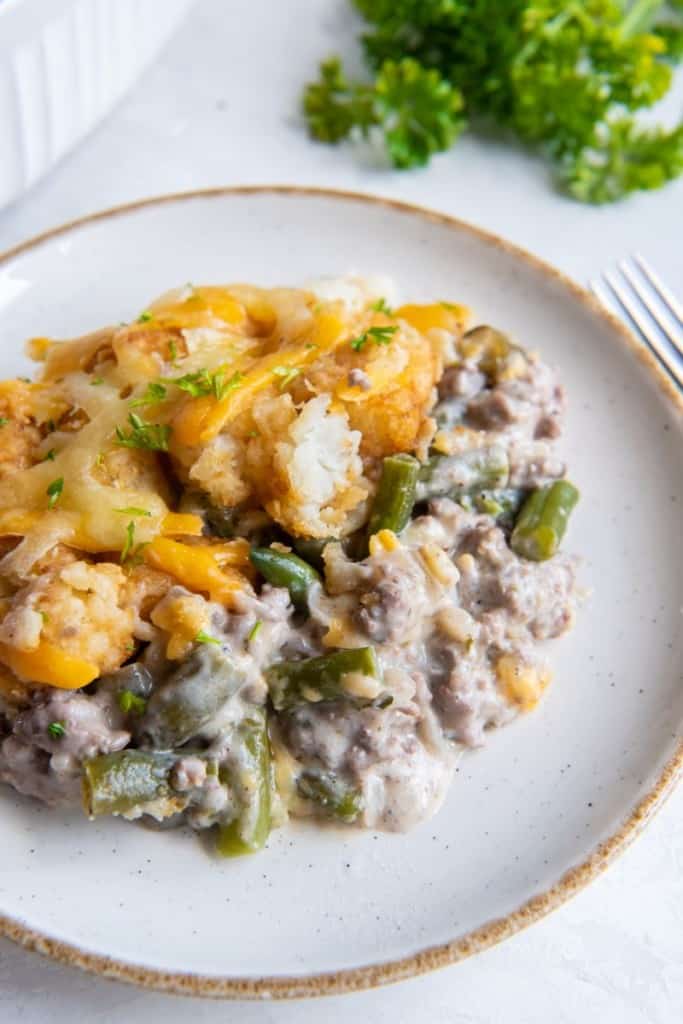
x=663 y=320
x=655 y=280
x=646 y=329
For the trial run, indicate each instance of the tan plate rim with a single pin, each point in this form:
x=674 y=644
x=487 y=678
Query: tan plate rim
x=358 y=978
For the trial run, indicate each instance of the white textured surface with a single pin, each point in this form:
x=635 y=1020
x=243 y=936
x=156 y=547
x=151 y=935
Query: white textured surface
x=209 y=114
x=63 y=66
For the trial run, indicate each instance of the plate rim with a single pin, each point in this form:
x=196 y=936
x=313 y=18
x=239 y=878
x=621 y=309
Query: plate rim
x=354 y=979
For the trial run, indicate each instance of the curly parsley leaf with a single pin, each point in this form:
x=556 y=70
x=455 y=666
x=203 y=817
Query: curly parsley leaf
x=564 y=76
x=413 y=109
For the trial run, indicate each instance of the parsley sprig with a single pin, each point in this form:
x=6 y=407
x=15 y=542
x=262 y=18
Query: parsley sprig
x=567 y=77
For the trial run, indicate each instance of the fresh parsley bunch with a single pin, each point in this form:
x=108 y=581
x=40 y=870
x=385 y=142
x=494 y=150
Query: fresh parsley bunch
x=568 y=77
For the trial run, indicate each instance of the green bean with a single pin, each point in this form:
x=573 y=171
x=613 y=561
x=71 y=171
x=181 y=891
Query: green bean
x=489 y=349
x=543 y=520
x=311 y=549
x=503 y=505
x=221 y=521
x=252 y=787
x=133 y=678
x=285 y=569
x=333 y=796
x=188 y=699
x=292 y=683
x=469 y=472
x=127 y=781
x=395 y=496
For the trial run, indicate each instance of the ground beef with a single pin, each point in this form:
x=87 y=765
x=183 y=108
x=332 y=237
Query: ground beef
x=533 y=404
x=49 y=767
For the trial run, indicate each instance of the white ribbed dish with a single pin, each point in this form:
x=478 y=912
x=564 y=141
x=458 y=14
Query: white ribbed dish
x=63 y=66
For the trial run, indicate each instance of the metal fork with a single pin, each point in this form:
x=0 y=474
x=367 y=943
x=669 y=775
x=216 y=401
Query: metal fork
x=651 y=307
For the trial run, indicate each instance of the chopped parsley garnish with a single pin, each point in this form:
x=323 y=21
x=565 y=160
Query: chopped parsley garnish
x=130 y=702
x=56 y=730
x=145 y=317
x=173 y=351
x=131 y=510
x=54 y=491
x=254 y=631
x=286 y=375
x=205 y=638
x=203 y=382
x=96 y=381
x=44 y=616
x=3 y=421
x=150 y=436
x=49 y=456
x=381 y=306
x=380 y=336
x=131 y=553
x=154 y=392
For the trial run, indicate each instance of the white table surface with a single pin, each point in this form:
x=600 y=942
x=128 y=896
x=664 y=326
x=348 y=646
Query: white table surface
x=220 y=108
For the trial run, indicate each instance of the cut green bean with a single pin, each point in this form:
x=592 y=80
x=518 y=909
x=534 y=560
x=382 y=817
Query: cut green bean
x=188 y=699
x=311 y=549
x=393 y=504
x=127 y=781
x=292 y=683
x=334 y=797
x=489 y=349
x=503 y=505
x=252 y=787
x=543 y=520
x=466 y=473
x=221 y=521
x=285 y=569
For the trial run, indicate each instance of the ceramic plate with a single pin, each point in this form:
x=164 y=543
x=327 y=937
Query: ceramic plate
x=529 y=819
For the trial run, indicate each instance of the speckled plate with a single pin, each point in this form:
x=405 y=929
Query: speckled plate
x=529 y=819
